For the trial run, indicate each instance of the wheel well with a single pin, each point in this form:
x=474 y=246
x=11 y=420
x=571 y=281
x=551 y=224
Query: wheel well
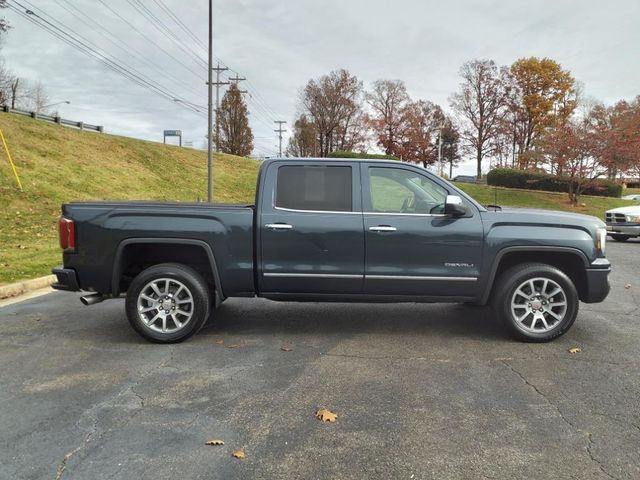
x=571 y=264
x=137 y=257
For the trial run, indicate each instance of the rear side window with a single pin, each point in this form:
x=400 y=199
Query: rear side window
x=304 y=187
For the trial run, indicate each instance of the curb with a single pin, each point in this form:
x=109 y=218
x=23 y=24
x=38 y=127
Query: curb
x=15 y=289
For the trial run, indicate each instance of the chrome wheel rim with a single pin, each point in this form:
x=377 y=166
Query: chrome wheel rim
x=165 y=305
x=539 y=305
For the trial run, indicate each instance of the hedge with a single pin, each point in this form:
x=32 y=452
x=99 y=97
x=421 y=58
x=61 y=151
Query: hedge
x=345 y=154
x=506 y=177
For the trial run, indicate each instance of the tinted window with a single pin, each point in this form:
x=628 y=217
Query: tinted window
x=314 y=188
x=395 y=190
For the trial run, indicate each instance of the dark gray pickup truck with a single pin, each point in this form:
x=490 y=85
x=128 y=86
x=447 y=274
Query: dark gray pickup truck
x=334 y=230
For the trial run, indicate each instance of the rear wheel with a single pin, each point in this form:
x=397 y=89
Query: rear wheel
x=168 y=303
x=536 y=302
x=621 y=238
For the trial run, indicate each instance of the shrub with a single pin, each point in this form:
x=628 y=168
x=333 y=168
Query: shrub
x=506 y=177
x=375 y=156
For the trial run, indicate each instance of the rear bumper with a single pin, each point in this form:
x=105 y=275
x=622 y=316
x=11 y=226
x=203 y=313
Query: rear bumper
x=66 y=279
x=597 y=285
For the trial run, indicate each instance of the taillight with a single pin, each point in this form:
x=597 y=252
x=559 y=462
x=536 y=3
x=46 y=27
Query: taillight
x=67 y=229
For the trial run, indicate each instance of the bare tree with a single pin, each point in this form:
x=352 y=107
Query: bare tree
x=389 y=101
x=4 y=24
x=36 y=98
x=481 y=104
x=332 y=102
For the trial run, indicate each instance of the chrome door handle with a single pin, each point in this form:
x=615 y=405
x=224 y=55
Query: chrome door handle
x=279 y=226
x=382 y=228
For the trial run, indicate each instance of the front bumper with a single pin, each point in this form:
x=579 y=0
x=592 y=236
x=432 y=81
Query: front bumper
x=67 y=279
x=597 y=285
x=619 y=229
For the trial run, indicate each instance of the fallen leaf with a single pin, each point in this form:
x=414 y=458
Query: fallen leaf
x=215 y=442
x=286 y=348
x=575 y=350
x=219 y=341
x=627 y=286
x=326 y=415
x=235 y=345
x=239 y=454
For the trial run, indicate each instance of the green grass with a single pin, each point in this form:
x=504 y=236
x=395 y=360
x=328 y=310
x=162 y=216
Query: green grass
x=588 y=205
x=58 y=164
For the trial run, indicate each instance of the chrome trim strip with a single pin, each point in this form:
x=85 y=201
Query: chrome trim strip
x=416 y=277
x=361 y=213
x=371 y=277
x=312 y=275
x=407 y=214
x=315 y=211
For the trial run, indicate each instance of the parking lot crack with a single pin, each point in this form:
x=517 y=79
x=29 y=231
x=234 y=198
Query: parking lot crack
x=540 y=393
x=594 y=459
x=63 y=464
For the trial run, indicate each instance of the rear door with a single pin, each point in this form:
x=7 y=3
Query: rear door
x=311 y=229
x=412 y=247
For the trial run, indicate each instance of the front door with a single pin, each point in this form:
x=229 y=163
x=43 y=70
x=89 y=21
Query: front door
x=412 y=247
x=311 y=232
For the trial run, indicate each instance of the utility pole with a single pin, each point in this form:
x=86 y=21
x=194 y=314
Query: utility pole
x=210 y=107
x=218 y=69
x=236 y=80
x=280 y=131
x=440 y=151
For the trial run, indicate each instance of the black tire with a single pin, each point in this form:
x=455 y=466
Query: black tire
x=519 y=278
x=620 y=238
x=193 y=297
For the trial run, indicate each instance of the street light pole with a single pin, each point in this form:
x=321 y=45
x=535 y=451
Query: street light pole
x=210 y=113
x=54 y=104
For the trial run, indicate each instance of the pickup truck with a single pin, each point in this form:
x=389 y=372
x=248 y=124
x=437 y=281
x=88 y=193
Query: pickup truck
x=334 y=230
x=623 y=223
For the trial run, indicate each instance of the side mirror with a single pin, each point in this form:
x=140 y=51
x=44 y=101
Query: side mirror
x=454 y=206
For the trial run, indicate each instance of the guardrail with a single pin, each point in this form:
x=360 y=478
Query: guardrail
x=52 y=119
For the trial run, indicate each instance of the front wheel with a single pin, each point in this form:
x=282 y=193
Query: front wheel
x=537 y=302
x=168 y=303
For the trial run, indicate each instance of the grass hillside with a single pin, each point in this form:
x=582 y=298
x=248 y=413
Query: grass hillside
x=58 y=164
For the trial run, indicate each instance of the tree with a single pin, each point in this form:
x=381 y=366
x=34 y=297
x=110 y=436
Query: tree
x=390 y=103
x=36 y=98
x=450 y=143
x=236 y=136
x=333 y=104
x=481 y=105
x=417 y=138
x=304 y=141
x=546 y=96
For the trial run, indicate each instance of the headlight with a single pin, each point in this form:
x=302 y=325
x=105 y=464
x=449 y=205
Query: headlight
x=601 y=239
x=632 y=218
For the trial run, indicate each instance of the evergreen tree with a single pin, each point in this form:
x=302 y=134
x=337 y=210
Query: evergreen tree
x=235 y=135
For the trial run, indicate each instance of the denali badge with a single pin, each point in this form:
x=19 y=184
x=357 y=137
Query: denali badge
x=467 y=265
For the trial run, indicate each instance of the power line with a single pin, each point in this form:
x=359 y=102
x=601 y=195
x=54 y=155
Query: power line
x=89 y=49
x=114 y=40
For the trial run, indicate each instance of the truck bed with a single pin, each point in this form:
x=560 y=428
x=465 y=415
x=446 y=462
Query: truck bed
x=105 y=230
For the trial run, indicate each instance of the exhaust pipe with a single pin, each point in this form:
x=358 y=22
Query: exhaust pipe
x=92 y=299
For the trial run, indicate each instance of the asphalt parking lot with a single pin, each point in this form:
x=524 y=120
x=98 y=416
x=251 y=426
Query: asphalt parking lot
x=421 y=392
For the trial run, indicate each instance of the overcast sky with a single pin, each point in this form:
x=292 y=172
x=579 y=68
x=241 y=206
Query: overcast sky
x=279 y=45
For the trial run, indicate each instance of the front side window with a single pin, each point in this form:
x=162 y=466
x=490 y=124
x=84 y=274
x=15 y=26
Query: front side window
x=309 y=187
x=395 y=190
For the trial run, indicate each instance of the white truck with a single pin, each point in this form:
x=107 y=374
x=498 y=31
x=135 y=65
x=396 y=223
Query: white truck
x=623 y=223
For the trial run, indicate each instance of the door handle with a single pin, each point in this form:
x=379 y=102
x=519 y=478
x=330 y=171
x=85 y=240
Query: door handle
x=383 y=228
x=279 y=226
